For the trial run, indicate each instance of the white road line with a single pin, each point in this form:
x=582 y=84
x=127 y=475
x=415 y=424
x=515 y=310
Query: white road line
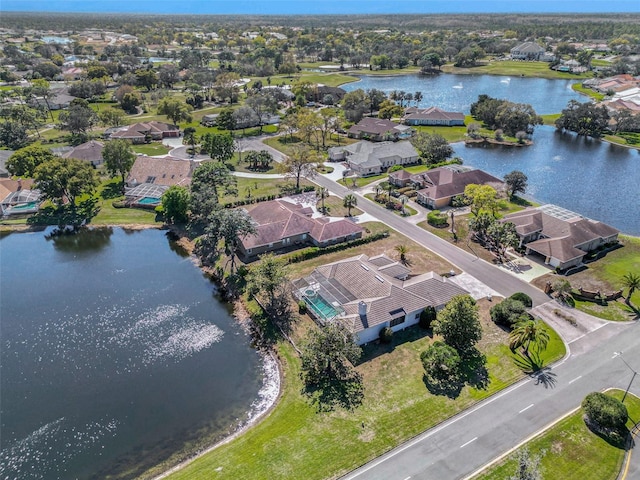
x=526 y=408
x=465 y=444
x=577 y=378
x=408 y=477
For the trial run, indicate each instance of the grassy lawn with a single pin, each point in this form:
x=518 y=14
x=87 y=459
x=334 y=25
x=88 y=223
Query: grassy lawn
x=571 y=451
x=108 y=215
x=517 y=69
x=293 y=441
x=260 y=187
x=587 y=91
x=283 y=143
x=335 y=208
x=151 y=149
x=619 y=140
x=605 y=274
x=331 y=79
x=550 y=119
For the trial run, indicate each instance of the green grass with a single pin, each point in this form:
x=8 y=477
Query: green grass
x=615 y=311
x=331 y=79
x=260 y=187
x=517 y=69
x=336 y=208
x=587 y=91
x=296 y=441
x=108 y=215
x=571 y=451
x=550 y=118
x=151 y=149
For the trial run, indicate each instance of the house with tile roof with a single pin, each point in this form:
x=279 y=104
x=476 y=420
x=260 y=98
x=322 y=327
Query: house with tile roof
x=17 y=197
x=90 y=151
x=432 y=116
x=527 y=51
x=367 y=158
x=160 y=171
x=561 y=237
x=281 y=224
x=147 y=131
x=368 y=294
x=437 y=187
x=378 y=130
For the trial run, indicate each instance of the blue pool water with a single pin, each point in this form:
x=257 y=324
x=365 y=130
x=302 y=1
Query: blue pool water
x=320 y=306
x=148 y=201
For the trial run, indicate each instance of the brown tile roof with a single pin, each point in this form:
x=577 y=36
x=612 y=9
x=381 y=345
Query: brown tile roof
x=90 y=151
x=138 y=130
x=160 y=171
x=444 y=182
x=374 y=126
x=431 y=113
x=8 y=186
x=280 y=219
x=560 y=248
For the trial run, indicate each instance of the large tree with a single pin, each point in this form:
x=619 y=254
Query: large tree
x=175 y=110
x=24 y=162
x=587 y=119
x=267 y=280
x=441 y=363
x=300 y=163
x=118 y=158
x=482 y=197
x=13 y=135
x=349 y=201
x=262 y=104
x=233 y=226
x=459 y=323
x=65 y=178
x=516 y=181
x=79 y=118
x=209 y=181
x=329 y=354
x=219 y=146
x=175 y=204
x=433 y=147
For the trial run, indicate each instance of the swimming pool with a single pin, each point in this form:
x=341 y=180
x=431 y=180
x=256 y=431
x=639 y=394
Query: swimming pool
x=320 y=307
x=148 y=201
x=25 y=206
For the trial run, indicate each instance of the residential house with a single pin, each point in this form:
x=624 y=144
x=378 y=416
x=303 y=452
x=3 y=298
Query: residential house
x=90 y=151
x=561 y=237
x=432 y=116
x=160 y=171
x=438 y=186
x=145 y=132
x=145 y=195
x=283 y=224
x=18 y=198
x=320 y=93
x=528 y=51
x=369 y=294
x=378 y=130
x=367 y=158
x=57 y=100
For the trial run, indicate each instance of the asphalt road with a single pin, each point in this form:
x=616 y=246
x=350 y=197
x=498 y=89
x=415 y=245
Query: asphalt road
x=470 y=440
x=500 y=281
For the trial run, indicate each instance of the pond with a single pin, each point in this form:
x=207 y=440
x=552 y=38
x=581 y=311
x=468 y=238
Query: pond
x=457 y=92
x=116 y=353
x=593 y=178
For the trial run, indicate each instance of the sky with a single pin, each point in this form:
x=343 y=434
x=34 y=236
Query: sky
x=279 y=7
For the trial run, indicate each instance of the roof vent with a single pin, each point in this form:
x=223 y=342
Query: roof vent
x=362 y=309
x=379 y=278
x=365 y=267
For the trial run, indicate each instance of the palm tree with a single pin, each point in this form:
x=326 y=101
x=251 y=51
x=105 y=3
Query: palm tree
x=322 y=193
x=349 y=201
x=403 y=200
x=377 y=190
x=402 y=251
x=632 y=282
x=417 y=97
x=527 y=332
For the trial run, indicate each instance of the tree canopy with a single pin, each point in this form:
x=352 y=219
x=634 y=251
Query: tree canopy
x=24 y=162
x=433 y=147
x=175 y=204
x=65 y=178
x=118 y=158
x=459 y=323
x=588 y=119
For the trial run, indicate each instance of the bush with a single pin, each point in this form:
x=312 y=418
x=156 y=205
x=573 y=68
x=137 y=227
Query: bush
x=118 y=204
x=522 y=297
x=386 y=335
x=427 y=316
x=508 y=312
x=436 y=218
x=441 y=363
x=313 y=252
x=302 y=307
x=605 y=412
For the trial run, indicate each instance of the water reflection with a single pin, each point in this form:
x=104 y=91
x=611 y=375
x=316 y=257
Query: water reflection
x=87 y=241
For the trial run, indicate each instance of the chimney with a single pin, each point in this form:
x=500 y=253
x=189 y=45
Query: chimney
x=362 y=309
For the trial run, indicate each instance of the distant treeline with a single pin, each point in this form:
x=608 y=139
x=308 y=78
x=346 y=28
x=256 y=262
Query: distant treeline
x=580 y=27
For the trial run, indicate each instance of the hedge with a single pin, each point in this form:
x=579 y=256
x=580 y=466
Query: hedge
x=265 y=198
x=313 y=252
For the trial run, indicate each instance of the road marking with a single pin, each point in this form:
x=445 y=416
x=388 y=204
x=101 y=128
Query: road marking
x=526 y=408
x=577 y=378
x=465 y=444
x=408 y=477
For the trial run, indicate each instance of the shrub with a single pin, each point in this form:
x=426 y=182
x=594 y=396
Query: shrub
x=118 y=204
x=302 y=307
x=386 y=335
x=508 y=312
x=605 y=412
x=522 y=297
x=427 y=316
x=313 y=252
x=436 y=218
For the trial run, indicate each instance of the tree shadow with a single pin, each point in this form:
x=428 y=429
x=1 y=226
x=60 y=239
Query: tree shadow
x=375 y=349
x=66 y=215
x=450 y=389
x=615 y=438
x=474 y=369
x=545 y=377
x=111 y=190
x=632 y=310
x=329 y=394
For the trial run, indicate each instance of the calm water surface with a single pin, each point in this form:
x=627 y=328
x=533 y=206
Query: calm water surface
x=458 y=92
x=115 y=354
x=590 y=177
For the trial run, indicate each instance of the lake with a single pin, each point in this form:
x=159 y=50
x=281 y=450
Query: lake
x=590 y=177
x=457 y=92
x=116 y=353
